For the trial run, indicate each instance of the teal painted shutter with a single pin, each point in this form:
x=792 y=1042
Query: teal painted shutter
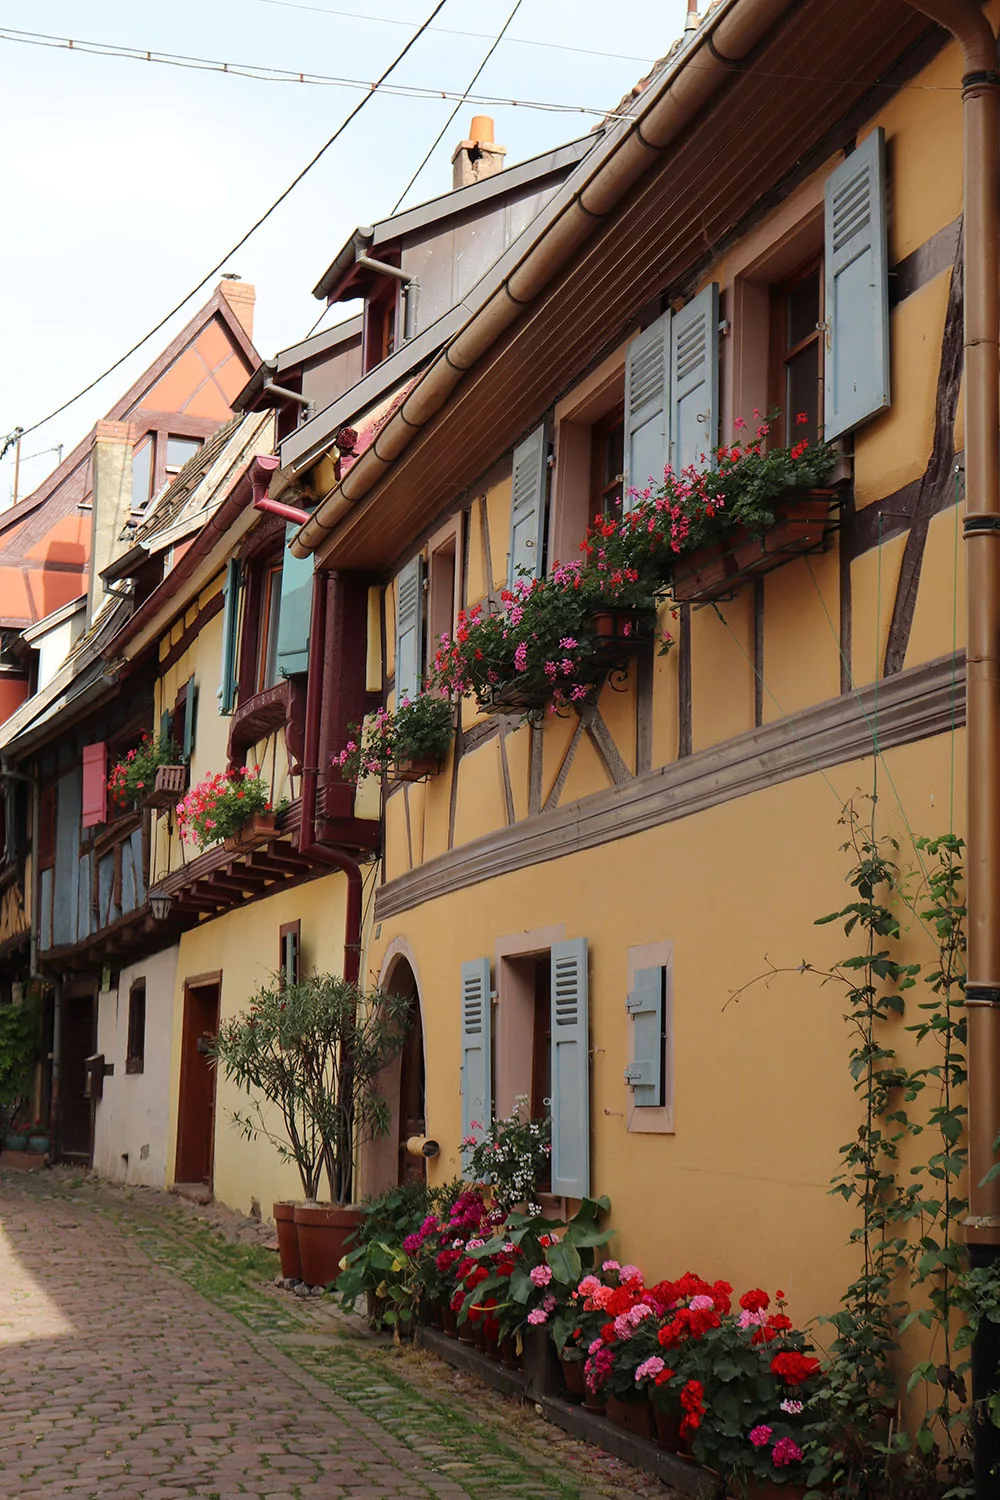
x=857 y=290
x=294 y=610
x=644 y=1074
x=409 y=629
x=570 y=1070
x=230 y=636
x=190 y=709
x=529 y=468
x=166 y=724
x=647 y=388
x=694 y=380
x=476 y=1070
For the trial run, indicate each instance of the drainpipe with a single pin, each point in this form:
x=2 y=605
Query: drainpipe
x=308 y=407
x=277 y=508
x=410 y=284
x=981 y=101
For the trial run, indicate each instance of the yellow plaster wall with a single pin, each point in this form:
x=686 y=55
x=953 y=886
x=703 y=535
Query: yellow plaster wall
x=874 y=576
x=244 y=945
x=722 y=677
x=939 y=618
x=801 y=634
x=763 y=1097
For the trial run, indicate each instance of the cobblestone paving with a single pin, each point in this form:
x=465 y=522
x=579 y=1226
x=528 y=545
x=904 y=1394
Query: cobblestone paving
x=142 y=1354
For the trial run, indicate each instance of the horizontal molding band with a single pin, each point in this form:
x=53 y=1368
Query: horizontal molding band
x=911 y=706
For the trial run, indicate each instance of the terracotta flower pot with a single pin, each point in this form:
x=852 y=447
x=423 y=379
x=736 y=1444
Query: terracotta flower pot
x=323 y=1232
x=704 y=574
x=479 y=1331
x=668 y=1429
x=635 y=1416
x=437 y=1315
x=288 y=1240
x=492 y=1344
x=766 y=1489
x=414 y=768
x=626 y=626
x=572 y=1372
x=467 y=1332
x=254 y=829
x=508 y=1352
x=595 y=1402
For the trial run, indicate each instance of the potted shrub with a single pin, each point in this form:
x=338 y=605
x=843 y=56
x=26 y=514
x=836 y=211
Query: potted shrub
x=139 y=778
x=408 y=744
x=234 y=806
x=314 y=1050
x=378 y=1268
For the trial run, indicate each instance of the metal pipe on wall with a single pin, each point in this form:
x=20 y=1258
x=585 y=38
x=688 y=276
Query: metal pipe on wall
x=981 y=112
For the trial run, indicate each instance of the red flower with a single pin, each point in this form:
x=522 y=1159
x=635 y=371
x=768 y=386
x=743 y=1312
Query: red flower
x=755 y=1301
x=693 y=1407
x=794 y=1368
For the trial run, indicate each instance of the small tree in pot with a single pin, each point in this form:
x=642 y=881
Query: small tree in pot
x=313 y=1050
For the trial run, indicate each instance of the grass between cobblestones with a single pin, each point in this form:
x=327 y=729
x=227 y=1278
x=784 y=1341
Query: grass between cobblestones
x=492 y=1448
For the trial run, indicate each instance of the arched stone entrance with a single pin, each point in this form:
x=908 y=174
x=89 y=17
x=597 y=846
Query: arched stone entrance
x=386 y=1162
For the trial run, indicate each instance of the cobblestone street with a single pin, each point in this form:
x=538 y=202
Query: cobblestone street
x=142 y=1354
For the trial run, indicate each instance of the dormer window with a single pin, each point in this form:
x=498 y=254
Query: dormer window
x=380 y=324
x=179 y=450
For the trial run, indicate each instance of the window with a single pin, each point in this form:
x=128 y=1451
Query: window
x=289 y=953
x=380 y=324
x=136 y=1054
x=444 y=576
x=142 y=472
x=797 y=354
x=607 y=464
x=180 y=725
x=267 y=635
x=649 y=1074
x=179 y=450
x=47 y=829
x=589 y=457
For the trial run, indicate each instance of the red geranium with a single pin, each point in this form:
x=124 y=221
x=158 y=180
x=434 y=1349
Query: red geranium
x=693 y=1407
x=793 y=1368
x=755 y=1301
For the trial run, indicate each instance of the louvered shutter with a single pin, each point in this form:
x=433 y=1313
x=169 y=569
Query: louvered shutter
x=409 y=629
x=230 y=636
x=644 y=1074
x=95 y=785
x=694 y=380
x=570 y=1050
x=529 y=468
x=166 y=724
x=476 y=1069
x=294 y=610
x=857 y=290
x=190 y=709
x=647 y=389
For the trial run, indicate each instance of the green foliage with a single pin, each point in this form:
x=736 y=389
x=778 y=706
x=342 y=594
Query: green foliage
x=315 y=1050
x=133 y=777
x=418 y=729
x=18 y=1054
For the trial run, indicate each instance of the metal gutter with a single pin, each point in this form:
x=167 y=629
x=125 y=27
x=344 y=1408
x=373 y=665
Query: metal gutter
x=584 y=199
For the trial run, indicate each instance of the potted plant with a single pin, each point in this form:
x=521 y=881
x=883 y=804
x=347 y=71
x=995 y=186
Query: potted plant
x=378 y=1268
x=408 y=744
x=314 y=1050
x=234 y=806
x=140 y=779
x=513 y=1155
x=18 y=1055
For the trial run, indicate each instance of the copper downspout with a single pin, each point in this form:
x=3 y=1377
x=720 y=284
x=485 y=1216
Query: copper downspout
x=981 y=100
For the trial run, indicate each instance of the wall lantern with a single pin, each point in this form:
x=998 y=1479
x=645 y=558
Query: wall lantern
x=160 y=906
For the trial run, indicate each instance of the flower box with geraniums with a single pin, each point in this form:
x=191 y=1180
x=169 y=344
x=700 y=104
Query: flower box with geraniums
x=748 y=510
x=408 y=743
x=234 y=806
x=149 y=775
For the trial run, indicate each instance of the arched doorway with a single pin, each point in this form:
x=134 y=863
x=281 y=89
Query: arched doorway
x=387 y=1163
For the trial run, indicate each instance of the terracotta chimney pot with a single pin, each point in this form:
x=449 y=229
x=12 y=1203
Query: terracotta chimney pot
x=477 y=158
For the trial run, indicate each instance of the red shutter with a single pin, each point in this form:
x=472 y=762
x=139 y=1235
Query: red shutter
x=95 y=784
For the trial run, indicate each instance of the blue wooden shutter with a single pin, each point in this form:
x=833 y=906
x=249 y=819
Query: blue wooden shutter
x=95 y=785
x=230 y=636
x=694 y=380
x=166 y=724
x=294 y=610
x=570 y=1070
x=647 y=392
x=409 y=629
x=857 y=290
x=529 y=469
x=476 y=1071
x=190 y=709
x=644 y=1074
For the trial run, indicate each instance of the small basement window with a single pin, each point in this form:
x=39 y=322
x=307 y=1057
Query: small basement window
x=136 y=1055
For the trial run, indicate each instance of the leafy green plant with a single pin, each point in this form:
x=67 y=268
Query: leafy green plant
x=221 y=805
x=421 y=728
x=133 y=776
x=19 y=1050
x=512 y=1154
x=314 y=1049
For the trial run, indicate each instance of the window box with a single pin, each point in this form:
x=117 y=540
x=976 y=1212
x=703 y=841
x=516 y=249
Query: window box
x=805 y=523
x=415 y=769
x=254 y=831
x=507 y=697
x=168 y=788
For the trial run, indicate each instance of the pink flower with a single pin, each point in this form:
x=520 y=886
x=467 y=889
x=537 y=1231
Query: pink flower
x=786 y=1451
x=540 y=1275
x=631 y=1273
x=701 y=1303
x=791 y=1407
x=650 y=1367
x=748 y=1319
x=537 y=1315
x=588 y=1286
x=761 y=1436
x=611 y=1265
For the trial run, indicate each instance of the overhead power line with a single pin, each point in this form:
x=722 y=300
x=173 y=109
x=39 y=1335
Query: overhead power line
x=243 y=239
x=520 y=41
x=263 y=73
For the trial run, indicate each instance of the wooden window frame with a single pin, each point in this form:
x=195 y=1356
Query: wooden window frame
x=286 y=930
x=444 y=594
x=782 y=430
x=645 y=1119
x=600 y=486
x=270 y=571
x=597 y=397
x=135 y=1061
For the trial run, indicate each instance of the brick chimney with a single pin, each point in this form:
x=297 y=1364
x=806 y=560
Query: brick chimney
x=241 y=297
x=477 y=158
x=112 y=502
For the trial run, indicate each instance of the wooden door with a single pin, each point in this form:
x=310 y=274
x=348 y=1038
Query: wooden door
x=411 y=1098
x=196 y=1100
x=78 y=1023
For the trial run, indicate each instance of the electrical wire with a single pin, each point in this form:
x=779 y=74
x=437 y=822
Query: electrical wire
x=520 y=41
x=243 y=239
x=464 y=99
x=263 y=73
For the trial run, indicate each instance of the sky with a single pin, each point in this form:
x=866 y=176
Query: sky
x=125 y=181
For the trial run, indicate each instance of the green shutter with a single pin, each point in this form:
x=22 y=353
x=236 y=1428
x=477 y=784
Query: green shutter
x=647 y=387
x=529 y=469
x=190 y=709
x=409 y=629
x=476 y=1069
x=694 y=381
x=295 y=610
x=644 y=1074
x=230 y=637
x=166 y=724
x=570 y=1050
x=856 y=371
